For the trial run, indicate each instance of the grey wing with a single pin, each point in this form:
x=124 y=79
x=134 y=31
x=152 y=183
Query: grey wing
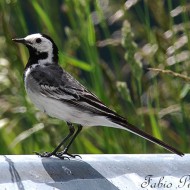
x=58 y=84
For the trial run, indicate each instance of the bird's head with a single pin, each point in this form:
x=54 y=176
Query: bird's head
x=41 y=47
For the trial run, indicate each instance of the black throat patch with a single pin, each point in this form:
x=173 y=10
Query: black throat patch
x=35 y=56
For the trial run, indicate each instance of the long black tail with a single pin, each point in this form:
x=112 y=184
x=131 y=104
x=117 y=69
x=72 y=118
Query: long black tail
x=97 y=107
x=125 y=124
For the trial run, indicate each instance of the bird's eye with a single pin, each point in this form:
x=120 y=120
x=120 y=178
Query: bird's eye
x=38 y=40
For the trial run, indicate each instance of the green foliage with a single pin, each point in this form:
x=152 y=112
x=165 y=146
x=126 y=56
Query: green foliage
x=108 y=46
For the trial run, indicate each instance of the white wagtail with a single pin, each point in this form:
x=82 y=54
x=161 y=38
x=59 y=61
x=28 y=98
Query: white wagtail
x=57 y=93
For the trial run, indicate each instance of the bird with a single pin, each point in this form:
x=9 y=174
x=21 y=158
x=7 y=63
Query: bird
x=57 y=93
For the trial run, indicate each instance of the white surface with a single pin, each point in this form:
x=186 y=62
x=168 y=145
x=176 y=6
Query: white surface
x=107 y=172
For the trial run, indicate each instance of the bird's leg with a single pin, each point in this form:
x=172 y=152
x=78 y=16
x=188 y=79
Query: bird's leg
x=54 y=152
x=65 y=151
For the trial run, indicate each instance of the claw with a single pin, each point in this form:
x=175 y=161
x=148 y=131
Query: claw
x=73 y=155
x=60 y=154
x=44 y=154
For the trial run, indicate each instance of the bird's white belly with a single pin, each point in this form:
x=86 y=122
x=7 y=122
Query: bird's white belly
x=67 y=113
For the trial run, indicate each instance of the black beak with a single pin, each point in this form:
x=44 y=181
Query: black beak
x=19 y=40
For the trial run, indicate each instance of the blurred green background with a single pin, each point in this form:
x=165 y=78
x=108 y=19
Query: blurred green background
x=109 y=46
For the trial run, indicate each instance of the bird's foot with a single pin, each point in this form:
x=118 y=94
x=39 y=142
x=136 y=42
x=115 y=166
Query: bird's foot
x=64 y=152
x=62 y=155
x=44 y=154
x=49 y=154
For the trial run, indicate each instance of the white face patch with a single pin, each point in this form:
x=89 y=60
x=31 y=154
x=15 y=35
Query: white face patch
x=41 y=44
x=45 y=45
